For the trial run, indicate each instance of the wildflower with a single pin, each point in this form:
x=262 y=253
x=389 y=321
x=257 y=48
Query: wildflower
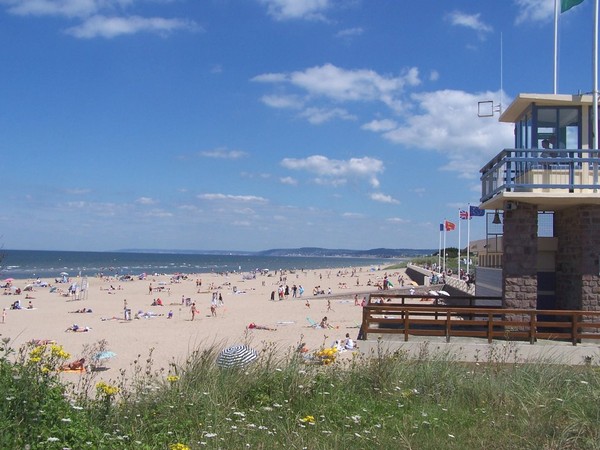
x=173 y=378
x=210 y=435
x=106 y=389
x=451 y=436
x=178 y=446
x=308 y=419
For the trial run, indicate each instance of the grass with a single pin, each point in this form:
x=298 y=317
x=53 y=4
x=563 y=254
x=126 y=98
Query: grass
x=382 y=400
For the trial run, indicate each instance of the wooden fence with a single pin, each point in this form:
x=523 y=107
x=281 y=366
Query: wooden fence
x=491 y=323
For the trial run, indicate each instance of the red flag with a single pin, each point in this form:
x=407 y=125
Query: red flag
x=449 y=225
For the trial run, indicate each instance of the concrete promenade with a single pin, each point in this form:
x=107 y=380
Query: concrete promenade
x=478 y=350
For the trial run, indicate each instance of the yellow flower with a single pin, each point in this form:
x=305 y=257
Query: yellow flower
x=57 y=351
x=106 y=389
x=173 y=378
x=178 y=446
x=308 y=419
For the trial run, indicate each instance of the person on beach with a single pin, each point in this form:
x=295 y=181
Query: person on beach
x=4 y=314
x=349 y=343
x=356 y=300
x=324 y=323
x=193 y=310
x=170 y=315
x=307 y=303
x=272 y=296
x=75 y=365
x=213 y=310
x=221 y=302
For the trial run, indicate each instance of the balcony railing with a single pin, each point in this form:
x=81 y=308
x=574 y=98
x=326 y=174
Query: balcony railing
x=551 y=171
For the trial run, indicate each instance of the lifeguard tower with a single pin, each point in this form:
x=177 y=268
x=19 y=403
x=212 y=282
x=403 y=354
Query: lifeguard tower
x=550 y=178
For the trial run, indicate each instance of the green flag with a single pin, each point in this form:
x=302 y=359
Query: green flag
x=566 y=5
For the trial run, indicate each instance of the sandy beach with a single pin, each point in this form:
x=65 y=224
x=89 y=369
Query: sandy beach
x=245 y=301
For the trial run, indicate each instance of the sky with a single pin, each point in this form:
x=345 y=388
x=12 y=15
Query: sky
x=259 y=124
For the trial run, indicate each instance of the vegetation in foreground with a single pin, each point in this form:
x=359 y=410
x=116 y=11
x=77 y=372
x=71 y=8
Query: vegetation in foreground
x=383 y=400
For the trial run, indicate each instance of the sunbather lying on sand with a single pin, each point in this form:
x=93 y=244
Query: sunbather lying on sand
x=82 y=310
x=253 y=326
x=42 y=341
x=77 y=329
x=74 y=365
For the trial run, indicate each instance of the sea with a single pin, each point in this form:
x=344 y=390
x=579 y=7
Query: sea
x=28 y=264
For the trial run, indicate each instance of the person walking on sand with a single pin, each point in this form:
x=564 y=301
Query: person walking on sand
x=3 y=315
x=126 y=311
x=193 y=310
x=307 y=303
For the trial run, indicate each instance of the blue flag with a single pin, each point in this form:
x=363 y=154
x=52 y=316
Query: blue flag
x=475 y=211
x=441 y=227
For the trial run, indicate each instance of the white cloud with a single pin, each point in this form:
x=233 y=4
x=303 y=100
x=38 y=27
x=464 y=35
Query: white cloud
x=351 y=215
x=158 y=213
x=317 y=116
x=349 y=32
x=66 y=8
x=288 y=180
x=146 y=201
x=296 y=9
x=282 y=101
x=380 y=125
x=472 y=21
x=534 y=11
x=334 y=83
x=397 y=220
x=235 y=198
x=110 y=27
x=333 y=171
x=223 y=153
x=383 y=198
x=434 y=75
x=99 y=18
x=446 y=121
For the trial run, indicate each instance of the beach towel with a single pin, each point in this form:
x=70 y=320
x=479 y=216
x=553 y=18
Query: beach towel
x=82 y=370
x=312 y=323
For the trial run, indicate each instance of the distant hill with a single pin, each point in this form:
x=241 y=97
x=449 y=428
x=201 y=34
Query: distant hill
x=326 y=252
x=303 y=251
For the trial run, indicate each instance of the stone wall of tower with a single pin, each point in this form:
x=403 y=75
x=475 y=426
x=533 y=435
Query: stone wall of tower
x=519 y=238
x=577 y=266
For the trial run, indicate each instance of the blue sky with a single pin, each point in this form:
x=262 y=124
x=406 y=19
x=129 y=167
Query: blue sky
x=256 y=124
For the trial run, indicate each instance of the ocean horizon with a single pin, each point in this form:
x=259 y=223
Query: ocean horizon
x=51 y=263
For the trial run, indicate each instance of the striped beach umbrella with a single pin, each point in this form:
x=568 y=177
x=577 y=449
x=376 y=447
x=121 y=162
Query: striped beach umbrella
x=237 y=356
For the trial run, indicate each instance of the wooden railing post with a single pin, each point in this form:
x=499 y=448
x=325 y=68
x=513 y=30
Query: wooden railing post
x=365 y=324
x=574 y=323
x=532 y=327
x=490 y=333
x=448 y=326
x=406 y=325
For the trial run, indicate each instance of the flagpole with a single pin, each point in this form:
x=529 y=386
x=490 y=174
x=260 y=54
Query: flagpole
x=444 y=266
x=459 y=220
x=595 y=103
x=469 y=240
x=555 y=46
x=440 y=251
